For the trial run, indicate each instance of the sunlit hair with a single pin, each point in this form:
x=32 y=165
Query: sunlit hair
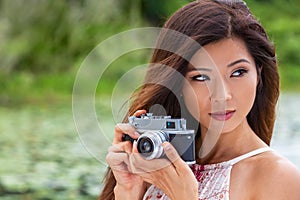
x=208 y=21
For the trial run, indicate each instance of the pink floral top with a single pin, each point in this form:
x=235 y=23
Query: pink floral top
x=213 y=179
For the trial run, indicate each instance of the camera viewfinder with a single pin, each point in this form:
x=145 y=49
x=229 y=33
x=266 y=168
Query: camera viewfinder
x=170 y=125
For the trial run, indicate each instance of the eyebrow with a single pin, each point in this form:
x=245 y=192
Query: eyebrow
x=238 y=61
x=229 y=65
x=199 y=69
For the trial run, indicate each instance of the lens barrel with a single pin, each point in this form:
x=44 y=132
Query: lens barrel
x=149 y=144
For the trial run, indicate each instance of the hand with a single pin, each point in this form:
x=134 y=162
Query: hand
x=128 y=184
x=173 y=176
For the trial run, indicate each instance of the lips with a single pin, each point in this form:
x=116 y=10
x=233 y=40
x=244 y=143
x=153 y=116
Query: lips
x=223 y=115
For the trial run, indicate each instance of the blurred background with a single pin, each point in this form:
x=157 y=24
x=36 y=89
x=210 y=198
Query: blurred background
x=43 y=44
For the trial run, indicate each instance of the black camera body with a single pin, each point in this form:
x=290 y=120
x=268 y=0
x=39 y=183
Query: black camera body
x=156 y=130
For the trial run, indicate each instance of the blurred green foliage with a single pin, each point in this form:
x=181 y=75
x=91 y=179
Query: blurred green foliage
x=282 y=21
x=50 y=36
x=44 y=42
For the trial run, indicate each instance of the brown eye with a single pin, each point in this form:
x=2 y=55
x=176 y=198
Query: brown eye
x=201 y=77
x=239 y=73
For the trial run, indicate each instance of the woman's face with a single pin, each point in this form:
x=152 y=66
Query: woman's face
x=220 y=85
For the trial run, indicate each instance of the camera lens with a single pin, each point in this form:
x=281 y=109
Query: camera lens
x=149 y=144
x=145 y=145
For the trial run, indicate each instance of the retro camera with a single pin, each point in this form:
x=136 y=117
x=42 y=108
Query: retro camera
x=156 y=130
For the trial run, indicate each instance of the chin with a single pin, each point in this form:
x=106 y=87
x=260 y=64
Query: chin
x=223 y=128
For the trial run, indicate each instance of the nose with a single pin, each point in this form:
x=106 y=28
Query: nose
x=220 y=90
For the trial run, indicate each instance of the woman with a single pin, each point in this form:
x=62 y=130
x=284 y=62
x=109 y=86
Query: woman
x=229 y=89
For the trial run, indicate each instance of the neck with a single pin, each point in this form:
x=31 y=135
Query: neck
x=225 y=146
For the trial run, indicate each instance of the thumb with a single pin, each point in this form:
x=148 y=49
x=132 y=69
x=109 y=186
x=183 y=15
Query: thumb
x=171 y=153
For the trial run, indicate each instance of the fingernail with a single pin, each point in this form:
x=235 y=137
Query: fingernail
x=136 y=133
x=134 y=149
x=166 y=146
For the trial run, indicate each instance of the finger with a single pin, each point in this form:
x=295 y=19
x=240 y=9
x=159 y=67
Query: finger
x=132 y=159
x=152 y=171
x=117 y=161
x=121 y=129
x=140 y=165
x=134 y=147
x=139 y=112
x=173 y=156
x=121 y=147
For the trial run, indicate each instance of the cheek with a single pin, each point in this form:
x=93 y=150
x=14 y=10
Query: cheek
x=190 y=100
x=196 y=99
x=246 y=95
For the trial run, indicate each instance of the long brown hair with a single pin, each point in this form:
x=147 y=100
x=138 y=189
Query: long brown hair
x=208 y=21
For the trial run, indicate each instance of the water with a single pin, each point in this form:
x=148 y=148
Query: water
x=286 y=140
x=42 y=155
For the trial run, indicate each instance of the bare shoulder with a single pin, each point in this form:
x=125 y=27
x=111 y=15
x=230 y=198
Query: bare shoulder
x=275 y=177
